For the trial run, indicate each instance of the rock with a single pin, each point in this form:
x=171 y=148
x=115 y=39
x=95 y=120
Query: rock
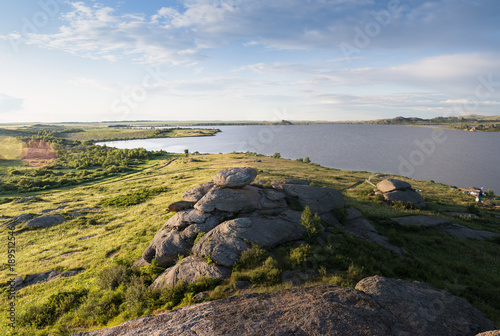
x=140 y=263
x=319 y=200
x=13 y=222
x=226 y=242
x=189 y=270
x=465 y=232
x=45 y=221
x=388 y=185
x=86 y=237
x=200 y=296
x=463 y=214
x=364 y=230
x=235 y=177
x=29 y=199
x=422 y=221
x=426 y=310
x=231 y=200
x=353 y=213
x=31 y=279
x=196 y=193
x=184 y=218
x=240 y=285
x=379 y=307
x=406 y=196
x=490 y=333
x=166 y=247
x=180 y=205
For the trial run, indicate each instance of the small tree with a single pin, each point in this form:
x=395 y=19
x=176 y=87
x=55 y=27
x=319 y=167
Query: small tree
x=307 y=160
x=312 y=223
x=186 y=152
x=276 y=155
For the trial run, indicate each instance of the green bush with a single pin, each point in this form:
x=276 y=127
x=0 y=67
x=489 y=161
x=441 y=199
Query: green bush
x=312 y=223
x=300 y=254
x=341 y=214
x=113 y=276
x=251 y=258
x=307 y=160
x=276 y=155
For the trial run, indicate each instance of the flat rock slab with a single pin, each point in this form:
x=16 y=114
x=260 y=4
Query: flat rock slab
x=52 y=210
x=31 y=279
x=13 y=222
x=467 y=233
x=406 y=196
x=364 y=230
x=389 y=185
x=45 y=221
x=180 y=205
x=189 y=270
x=235 y=177
x=422 y=221
x=377 y=307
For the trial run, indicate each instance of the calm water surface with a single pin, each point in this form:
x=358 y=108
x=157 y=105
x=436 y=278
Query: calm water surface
x=448 y=156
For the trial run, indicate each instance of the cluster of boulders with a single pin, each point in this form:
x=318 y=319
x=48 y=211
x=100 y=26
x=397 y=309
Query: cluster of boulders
x=400 y=191
x=218 y=220
x=377 y=306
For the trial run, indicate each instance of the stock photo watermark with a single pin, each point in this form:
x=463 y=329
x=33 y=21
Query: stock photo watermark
x=425 y=149
x=48 y=9
x=364 y=35
x=11 y=264
x=131 y=98
x=485 y=88
x=266 y=135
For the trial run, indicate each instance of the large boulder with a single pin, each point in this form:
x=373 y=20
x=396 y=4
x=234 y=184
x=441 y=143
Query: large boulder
x=230 y=200
x=184 y=218
x=166 y=247
x=235 y=177
x=319 y=200
x=389 y=185
x=406 y=196
x=226 y=242
x=189 y=270
x=378 y=307
x=45 y=221
x=196 y=193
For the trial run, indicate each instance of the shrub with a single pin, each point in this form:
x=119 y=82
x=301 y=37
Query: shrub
x=276 y=155
x=113 y=276
x=300 y=160
x=251 y=258
x=300 y=255
x=307 y=160
x=312 y=223
x=341 y=214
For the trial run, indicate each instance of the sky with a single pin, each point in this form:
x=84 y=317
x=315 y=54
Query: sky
x=103 y=60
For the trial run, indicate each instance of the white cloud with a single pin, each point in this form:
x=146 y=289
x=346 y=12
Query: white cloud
x=92 y=83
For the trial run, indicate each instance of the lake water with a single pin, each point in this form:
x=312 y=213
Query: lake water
x=452 y=157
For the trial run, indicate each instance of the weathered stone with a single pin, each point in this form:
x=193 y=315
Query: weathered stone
x=422 y=220
x=364 y=230
x=379 y=307
x=426 y=310
x=180 y=205
x=490 y=333
x=467 y=233
x=189 y=270
x=240 y=285
x=406 y=196
x=319 y=200
x=235 y=177
x=226 y=242
x=200 y=296
x=166 y=247
x=31 y=279
x=140 y=263
x=389 y=185
x=29 y=199
x=52 y=210
x=196 y=193
x=230 y=200
x=184 y=218
x=45 y=221
x=13 y=222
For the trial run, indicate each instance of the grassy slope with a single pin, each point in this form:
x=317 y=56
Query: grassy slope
x=471 y=266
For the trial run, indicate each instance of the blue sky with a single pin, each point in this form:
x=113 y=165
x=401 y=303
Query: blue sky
x=247 y=60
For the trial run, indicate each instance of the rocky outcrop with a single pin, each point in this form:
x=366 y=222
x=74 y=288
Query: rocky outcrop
x=229 y=215
x=45 y=221
x=400 y=191
x=14 y=221
x=378 y=306
x=446 y=225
